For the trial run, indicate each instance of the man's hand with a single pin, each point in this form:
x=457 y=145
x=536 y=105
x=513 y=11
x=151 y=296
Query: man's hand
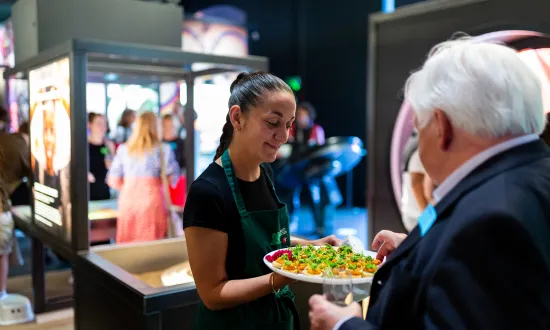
x=323 y=315
x=386 y=242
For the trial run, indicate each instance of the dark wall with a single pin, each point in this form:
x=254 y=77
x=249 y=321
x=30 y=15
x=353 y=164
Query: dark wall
x=326 y=44
x=276 y=23
x=335 y=72
x=399 y=3
x=402 y=45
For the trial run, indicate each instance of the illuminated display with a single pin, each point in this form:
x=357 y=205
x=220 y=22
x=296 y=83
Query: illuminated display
x=18 y=99
x=50 y=137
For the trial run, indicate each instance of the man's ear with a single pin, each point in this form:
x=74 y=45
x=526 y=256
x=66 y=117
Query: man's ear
x=443 y=128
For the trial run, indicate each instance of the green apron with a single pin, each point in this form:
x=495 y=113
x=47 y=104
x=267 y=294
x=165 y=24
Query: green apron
x=264 y=231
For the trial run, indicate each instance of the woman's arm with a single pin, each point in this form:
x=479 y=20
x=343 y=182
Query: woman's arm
x=207 y=249
x=332 y=240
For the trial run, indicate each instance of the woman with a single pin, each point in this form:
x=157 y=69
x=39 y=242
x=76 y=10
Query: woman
x=171 y=137
x=233 y=216
x=136 y=173
x=99 y=151
x=124 y=127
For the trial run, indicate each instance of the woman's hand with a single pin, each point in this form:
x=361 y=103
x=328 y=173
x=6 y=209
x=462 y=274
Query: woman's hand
x=386 y=242
x=332 y=240
x=91 y=177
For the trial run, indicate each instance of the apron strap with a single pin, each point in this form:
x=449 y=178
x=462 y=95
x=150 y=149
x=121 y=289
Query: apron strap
x=271 y=185
x=230 y=174
x=287 y=298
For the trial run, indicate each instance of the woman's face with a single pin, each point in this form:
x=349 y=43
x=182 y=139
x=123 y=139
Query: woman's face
x=266 y=126
x=98 y=126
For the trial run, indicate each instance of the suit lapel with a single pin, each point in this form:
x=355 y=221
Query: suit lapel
x=505 y=161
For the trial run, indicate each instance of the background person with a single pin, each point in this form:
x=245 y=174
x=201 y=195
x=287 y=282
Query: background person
x=136 y=173
x=124 y=128
x=171 y=137
x=14 y=166
x=100 y=152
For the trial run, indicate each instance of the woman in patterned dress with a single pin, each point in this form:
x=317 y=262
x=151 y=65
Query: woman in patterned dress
x=135 y=172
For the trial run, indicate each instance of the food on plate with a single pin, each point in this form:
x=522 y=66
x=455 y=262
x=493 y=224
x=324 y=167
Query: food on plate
x=340 y=262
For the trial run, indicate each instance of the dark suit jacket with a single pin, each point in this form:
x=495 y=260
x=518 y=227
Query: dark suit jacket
x=485 y=263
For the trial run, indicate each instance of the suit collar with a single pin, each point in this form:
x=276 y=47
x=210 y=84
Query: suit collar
x=502 y=162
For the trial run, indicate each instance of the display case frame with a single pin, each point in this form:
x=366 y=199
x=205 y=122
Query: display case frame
x=110 y=57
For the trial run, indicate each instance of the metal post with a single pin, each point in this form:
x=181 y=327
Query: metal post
x=190 y=151
x=79 y=154
x=38 y=271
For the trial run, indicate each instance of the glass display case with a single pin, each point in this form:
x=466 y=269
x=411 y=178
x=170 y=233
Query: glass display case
x=135 y=286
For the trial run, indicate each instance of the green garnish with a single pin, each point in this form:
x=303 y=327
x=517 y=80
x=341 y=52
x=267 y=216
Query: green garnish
x=288 y=263
x=285 y=256
x=352 y=267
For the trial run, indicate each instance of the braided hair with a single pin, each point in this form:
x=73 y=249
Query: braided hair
x=247 y=91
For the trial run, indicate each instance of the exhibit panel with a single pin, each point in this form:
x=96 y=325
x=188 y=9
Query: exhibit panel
x=411 y=30
x=50 y=141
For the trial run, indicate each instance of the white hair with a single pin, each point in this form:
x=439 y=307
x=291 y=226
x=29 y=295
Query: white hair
x=484 y=88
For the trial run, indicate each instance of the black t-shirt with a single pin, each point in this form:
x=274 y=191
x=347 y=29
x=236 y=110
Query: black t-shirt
x=99 y=190
x=210 y=204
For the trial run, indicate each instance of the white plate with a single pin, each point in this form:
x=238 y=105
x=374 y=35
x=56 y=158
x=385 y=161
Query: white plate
x=320 y=279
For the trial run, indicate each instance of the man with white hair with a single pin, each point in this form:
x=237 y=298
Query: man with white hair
x=479 y=258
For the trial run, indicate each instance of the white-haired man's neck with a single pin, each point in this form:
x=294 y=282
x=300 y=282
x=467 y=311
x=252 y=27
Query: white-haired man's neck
x=464 y=147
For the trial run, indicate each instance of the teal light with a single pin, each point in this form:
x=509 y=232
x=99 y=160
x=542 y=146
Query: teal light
x=388 y=6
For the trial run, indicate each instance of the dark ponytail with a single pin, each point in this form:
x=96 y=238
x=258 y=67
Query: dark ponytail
x=247 y=91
